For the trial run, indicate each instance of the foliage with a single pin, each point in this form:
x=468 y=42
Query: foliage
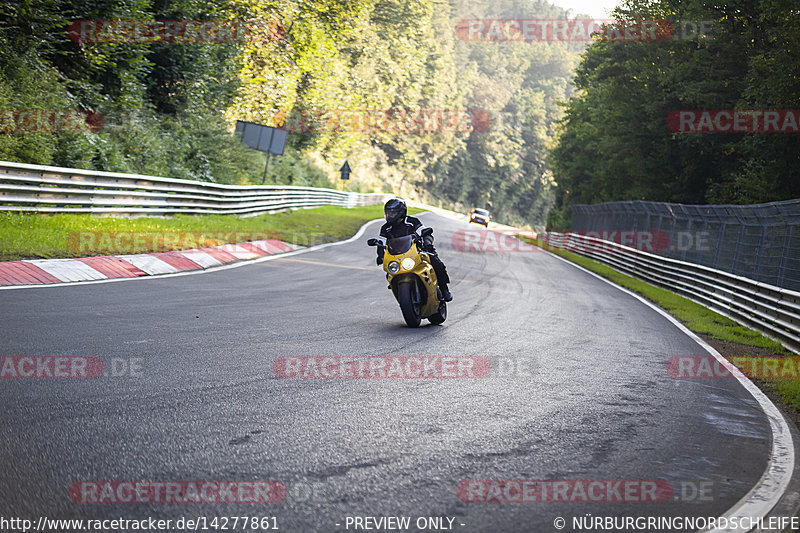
x=169 y=107
x=615 y=143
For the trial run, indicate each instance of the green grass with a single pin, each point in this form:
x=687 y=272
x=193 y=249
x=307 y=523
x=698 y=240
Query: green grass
x=35 y=236
x=693 y=315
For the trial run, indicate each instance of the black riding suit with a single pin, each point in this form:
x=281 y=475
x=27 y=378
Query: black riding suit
x=408 y=226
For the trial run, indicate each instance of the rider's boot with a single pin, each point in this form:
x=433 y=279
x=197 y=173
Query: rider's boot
x=446 y=296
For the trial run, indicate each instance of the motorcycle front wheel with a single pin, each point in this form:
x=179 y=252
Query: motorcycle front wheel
x=411 y=312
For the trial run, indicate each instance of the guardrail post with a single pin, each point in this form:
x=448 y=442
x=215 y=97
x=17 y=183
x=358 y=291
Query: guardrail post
x=719 y=244
x=688 y=230
x=787 y=240
x=760 y=251
x=739 y=240
x=698 y=253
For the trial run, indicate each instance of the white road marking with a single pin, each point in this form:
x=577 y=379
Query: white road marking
x=68 y=270
x=773 y=483
x=201 y=258
x=239 y=252
x=756 y=503
x=149 y=264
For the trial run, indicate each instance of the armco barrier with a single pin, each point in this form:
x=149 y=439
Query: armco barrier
x=760 y=242
x=44 y=189
x=769 y=309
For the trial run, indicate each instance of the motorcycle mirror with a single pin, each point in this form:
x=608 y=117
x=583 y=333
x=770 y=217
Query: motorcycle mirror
x=372 y=242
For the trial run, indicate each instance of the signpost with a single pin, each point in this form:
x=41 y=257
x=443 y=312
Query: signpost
x=345 y=170
x=262 y=138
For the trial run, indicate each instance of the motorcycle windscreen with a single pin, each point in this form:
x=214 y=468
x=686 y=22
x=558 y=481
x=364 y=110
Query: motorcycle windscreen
x=400 y=245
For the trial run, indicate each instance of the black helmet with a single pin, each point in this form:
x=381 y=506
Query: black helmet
x=395 y=209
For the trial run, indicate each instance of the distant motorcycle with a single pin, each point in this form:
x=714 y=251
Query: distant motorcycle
x=412 y=279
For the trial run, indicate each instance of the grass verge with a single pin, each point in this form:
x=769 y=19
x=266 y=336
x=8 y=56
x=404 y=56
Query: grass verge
x=37 y=236
x=739 y=344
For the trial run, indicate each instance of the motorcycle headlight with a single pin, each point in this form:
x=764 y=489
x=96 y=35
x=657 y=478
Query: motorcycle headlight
x=407 y=263
x=393 y=267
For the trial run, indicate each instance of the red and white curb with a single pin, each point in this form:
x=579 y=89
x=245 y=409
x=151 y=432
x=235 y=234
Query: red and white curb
x=46 y=271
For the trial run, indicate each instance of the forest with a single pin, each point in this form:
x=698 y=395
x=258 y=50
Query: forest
x=160 y=100
x=617 y=142
x=394 y=87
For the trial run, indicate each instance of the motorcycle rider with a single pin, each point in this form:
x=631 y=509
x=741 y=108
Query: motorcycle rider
x=398 y=224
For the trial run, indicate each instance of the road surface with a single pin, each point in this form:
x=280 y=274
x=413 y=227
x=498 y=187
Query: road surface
x=589 y=396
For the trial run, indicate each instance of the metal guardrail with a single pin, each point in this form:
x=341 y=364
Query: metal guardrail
x=769 y=309
x=760 y=242
x=44 y=189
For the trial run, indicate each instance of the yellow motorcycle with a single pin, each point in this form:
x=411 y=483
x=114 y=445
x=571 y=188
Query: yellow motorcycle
x=412 y=280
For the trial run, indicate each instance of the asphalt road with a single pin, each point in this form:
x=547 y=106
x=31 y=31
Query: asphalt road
x=595 y=401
